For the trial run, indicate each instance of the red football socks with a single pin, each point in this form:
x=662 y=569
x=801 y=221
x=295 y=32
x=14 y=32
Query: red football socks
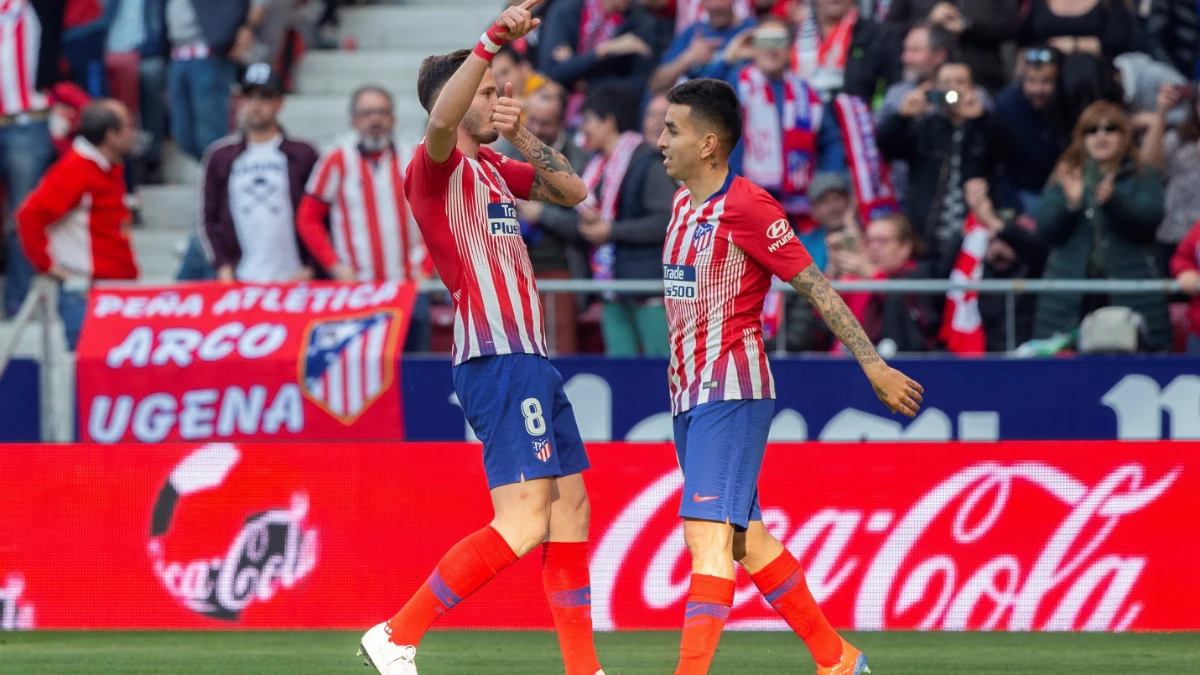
x=708 y=602
x=568 y=589
x=465 y=568
x=782 y=584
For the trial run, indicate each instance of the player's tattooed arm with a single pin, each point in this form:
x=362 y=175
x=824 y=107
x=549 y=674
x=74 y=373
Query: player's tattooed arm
x=894 y=389
x=555 y=182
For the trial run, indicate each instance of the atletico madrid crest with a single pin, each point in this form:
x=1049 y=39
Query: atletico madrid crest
x=703 y=236
x=345 y=364
x=541 y=449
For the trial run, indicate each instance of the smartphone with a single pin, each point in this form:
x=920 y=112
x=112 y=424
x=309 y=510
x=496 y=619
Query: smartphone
x=941 y=97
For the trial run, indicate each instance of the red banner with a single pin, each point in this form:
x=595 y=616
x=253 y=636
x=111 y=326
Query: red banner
x=201 y=362
x=1011 y=536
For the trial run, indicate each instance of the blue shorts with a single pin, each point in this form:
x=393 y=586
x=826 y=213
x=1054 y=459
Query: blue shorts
x=517 y=407
x=720 y=446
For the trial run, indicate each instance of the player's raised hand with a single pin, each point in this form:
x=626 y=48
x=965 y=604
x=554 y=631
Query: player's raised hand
x=506 y=115
x=516 y=22
x=898 y=392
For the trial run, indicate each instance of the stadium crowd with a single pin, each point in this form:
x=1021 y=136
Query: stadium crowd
x=906 y=139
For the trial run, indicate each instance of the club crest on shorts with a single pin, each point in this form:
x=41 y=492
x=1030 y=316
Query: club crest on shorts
x=541 y=449
x=703 y=236
x=345 y=363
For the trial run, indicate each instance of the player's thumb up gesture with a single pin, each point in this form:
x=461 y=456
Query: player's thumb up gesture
x=516 y=22
x=506 y=115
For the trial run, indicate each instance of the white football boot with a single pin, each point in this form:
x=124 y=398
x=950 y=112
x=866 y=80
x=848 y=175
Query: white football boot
x=377 y=650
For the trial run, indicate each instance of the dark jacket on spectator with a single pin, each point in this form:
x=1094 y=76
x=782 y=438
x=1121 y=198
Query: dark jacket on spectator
x=561 y=27
x=1174 y=30
x=871 y=64
x=218 y=225
x=50 y=16
x=219 y=21
x=154 y=24
x=1029 y=263
x=990 y=23
x=1038 y=141
x=1110 y=21
x=925 y=143
x=1123 y=228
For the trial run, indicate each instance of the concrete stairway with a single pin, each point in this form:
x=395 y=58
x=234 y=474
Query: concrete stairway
x=391 y=42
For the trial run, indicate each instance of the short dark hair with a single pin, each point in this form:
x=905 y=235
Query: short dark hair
x=435 y=72
x=97 y=119
x=940 y=39
x=511 y=52
x=955 y=62
x=370 y=89
x=713 y=104
x=617 y=101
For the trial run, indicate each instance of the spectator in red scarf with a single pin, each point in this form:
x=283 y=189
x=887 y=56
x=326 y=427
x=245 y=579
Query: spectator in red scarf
x=589 y=43
x=837 y=50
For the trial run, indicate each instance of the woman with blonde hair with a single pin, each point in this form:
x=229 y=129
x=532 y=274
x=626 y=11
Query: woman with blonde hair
x=1099 y=214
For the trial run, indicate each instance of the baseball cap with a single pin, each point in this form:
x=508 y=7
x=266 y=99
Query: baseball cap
x=827 y=182
x=262 y=77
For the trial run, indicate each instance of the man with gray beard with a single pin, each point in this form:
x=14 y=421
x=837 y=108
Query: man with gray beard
x=354 y=218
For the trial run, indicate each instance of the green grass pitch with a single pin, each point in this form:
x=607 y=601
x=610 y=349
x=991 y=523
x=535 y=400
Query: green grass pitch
x=536 y=653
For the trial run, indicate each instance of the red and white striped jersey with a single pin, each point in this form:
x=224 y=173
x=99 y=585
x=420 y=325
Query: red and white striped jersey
x=466 y=209
x=373 y=228
x=717 y=267
x=20 y=40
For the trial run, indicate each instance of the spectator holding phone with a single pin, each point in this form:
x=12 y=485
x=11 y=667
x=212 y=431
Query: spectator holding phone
x=947 y=138
x=1099 y=214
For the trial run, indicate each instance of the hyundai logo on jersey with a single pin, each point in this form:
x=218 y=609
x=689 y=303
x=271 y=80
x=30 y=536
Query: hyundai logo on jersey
x=502 y=220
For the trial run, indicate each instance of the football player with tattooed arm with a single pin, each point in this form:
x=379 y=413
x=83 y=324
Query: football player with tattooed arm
x=463 y=197
x=726 y=240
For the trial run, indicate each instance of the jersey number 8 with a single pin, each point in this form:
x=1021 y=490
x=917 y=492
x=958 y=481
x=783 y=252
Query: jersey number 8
x=531 y=410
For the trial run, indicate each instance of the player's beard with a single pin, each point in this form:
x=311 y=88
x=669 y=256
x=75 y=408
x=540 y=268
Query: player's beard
x=473 y=124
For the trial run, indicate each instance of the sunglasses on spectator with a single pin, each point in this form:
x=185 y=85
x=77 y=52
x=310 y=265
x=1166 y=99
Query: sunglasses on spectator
x=1106 y=128
x=1039 y=56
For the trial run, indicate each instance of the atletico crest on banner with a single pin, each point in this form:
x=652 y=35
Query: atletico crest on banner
x=345 y=363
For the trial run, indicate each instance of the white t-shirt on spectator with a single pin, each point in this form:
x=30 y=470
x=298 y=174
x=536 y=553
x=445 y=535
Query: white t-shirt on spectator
x=261 y=203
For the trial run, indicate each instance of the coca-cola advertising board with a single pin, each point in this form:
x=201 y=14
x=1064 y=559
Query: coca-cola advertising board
x=951 y=536
x=208 y=362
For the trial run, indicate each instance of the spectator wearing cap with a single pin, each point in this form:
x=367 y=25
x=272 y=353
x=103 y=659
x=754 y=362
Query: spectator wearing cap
x=356 y=194
x=1028 y=110
x=251 y=187
x=206 y=40
x=695 y=51
x=74 y=226
x=590 y=43
x=26 y=148
x=980 y=28
x=829 y=198
x=551 y=232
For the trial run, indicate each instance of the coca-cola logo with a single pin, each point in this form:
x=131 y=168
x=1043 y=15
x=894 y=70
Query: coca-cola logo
x=269 y=551
x=14 y=613
x=994 y=546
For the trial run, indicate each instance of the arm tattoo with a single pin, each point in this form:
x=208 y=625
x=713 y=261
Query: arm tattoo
x=549 y=163
x=816 y=289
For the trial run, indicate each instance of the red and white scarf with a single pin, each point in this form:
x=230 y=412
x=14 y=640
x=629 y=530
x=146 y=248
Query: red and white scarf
x=962 y=326
x=608 y=173
x=688 y=12
x=821 y=61
x=779 y=154
x=868 y=171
